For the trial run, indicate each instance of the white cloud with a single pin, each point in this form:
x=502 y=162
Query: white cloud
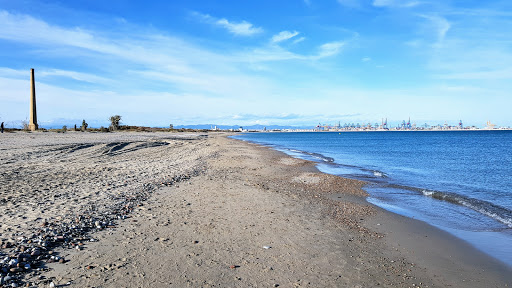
x=330 y=49
x=84 y=77
x=43 y=73
x=243 y=28
x=366 y=59
x=179 y=60
x=412 y=3
x=464 y=60
x=298 y=40
x=284 y=35
x=440 y=25
x=382 y=3
x=437 y=26
x=277 y=53
x=12 y=73
x=161 y=74
x=396 y=3
x=26 y=29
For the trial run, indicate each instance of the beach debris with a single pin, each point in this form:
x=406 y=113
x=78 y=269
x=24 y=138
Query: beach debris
x=266 y=247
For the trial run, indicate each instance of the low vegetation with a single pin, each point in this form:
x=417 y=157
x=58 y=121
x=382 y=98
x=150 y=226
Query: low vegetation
x=115 y=125
x=84 y=126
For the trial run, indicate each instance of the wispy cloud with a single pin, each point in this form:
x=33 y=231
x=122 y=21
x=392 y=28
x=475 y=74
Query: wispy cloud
x=330 y=49
x=284 y=35
x=78 y=76
x=47 y=73
x=13 y=73
x=396 y=3
x=178 y=59
x=440 y=25
x=26 y=29
x=147 y=65
x=151 y=72
x=298 y=40
x=242 y=28
x=277 y=53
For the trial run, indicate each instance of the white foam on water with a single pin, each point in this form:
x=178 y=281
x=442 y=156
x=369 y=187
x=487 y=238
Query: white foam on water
x=378 y=174
x=427 y=193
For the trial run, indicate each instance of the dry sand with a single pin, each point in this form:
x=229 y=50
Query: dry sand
x=208 y=211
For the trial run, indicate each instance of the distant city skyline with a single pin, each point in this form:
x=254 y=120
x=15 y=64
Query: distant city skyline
x=290 y=63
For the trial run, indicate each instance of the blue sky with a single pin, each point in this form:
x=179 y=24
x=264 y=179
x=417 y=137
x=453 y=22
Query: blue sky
x=290 y=62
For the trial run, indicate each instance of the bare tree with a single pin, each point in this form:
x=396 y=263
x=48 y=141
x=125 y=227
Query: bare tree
x=24 y=125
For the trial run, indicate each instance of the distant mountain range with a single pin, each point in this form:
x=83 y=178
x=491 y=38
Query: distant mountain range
x=58 y=123
x=236 y=127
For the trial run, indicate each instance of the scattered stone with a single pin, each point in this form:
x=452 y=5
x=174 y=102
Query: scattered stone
x=7 y=278
x=29 y=250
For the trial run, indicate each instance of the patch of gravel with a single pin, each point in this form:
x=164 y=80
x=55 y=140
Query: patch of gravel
x=55 y=189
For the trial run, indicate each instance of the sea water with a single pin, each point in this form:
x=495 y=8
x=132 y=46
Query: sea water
x=459 y=181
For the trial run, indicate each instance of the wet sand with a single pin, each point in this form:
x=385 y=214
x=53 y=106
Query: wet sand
x=179 y=210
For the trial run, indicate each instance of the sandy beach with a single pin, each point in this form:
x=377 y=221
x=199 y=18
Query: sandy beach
x=203 y=210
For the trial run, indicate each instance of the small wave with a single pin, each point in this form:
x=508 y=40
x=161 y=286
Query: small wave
x=379 y=174
x=320 y=157
x=496 y=212
x=313 y=155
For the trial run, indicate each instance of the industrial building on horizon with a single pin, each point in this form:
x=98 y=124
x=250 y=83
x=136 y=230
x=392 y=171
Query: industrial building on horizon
x=403 y=126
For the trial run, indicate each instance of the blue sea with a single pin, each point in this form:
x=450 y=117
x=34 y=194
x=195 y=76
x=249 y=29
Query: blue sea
x=458 y=181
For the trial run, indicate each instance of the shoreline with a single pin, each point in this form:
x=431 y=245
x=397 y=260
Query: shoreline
x=211 y=229
x=382 y=130
x=415 y=238
x=468 y=237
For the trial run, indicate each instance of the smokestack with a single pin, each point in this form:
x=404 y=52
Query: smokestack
x=32 y=126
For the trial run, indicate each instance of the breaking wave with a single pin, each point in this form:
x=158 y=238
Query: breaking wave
x=379 y=174
x=316 y=156
x=496 y=212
